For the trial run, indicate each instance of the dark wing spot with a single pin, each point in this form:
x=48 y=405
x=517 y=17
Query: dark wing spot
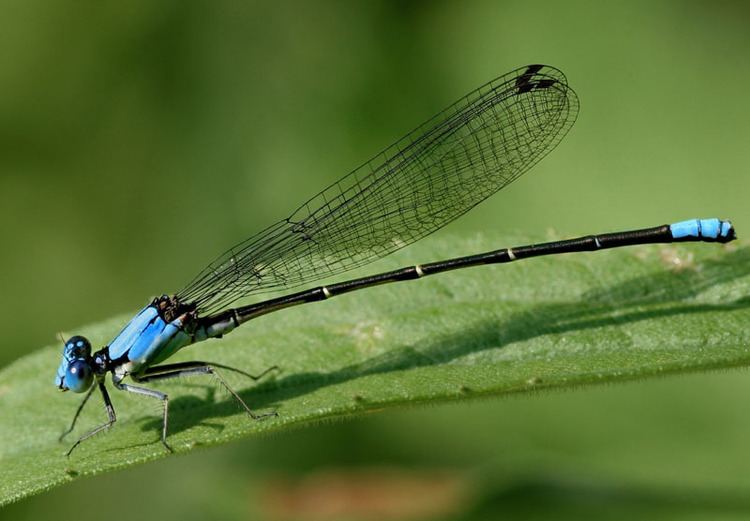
x=525 y=84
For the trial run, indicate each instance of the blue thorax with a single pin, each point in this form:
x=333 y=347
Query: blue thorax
x=146 y=340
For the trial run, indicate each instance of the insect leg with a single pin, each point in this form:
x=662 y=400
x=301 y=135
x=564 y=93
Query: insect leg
x=169 y=371
x=153 y=394
x=110 y=415
x=78 y=412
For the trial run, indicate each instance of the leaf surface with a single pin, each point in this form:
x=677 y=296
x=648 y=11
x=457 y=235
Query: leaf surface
x=555 y=322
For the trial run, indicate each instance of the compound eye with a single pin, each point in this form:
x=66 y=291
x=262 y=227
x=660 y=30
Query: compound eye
x=78 y=347
x=79 y=376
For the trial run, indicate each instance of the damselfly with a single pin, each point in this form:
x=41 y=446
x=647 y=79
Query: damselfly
x=425 y=180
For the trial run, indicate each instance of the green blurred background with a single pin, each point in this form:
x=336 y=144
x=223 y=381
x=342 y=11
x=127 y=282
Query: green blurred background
x=139 y=139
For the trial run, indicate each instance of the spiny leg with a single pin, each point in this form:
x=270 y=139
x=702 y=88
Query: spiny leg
x=169 y=371
x=78 y=412
x=169 y=368
x=110 y=415
x=153 y=394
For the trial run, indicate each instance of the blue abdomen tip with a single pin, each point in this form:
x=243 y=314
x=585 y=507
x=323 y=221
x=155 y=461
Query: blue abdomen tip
x=702 y=229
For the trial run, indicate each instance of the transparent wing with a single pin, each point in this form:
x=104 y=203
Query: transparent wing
x=434 y=174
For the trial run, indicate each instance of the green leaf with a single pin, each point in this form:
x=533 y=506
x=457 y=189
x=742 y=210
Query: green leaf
x=547 y=323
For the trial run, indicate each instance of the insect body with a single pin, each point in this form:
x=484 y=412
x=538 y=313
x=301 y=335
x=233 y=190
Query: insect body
x=433 y=175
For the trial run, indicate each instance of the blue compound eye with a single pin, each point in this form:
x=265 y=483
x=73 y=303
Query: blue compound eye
x=79 y=376
x=77 y=347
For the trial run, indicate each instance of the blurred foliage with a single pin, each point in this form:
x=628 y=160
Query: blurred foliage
x=139 y=139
